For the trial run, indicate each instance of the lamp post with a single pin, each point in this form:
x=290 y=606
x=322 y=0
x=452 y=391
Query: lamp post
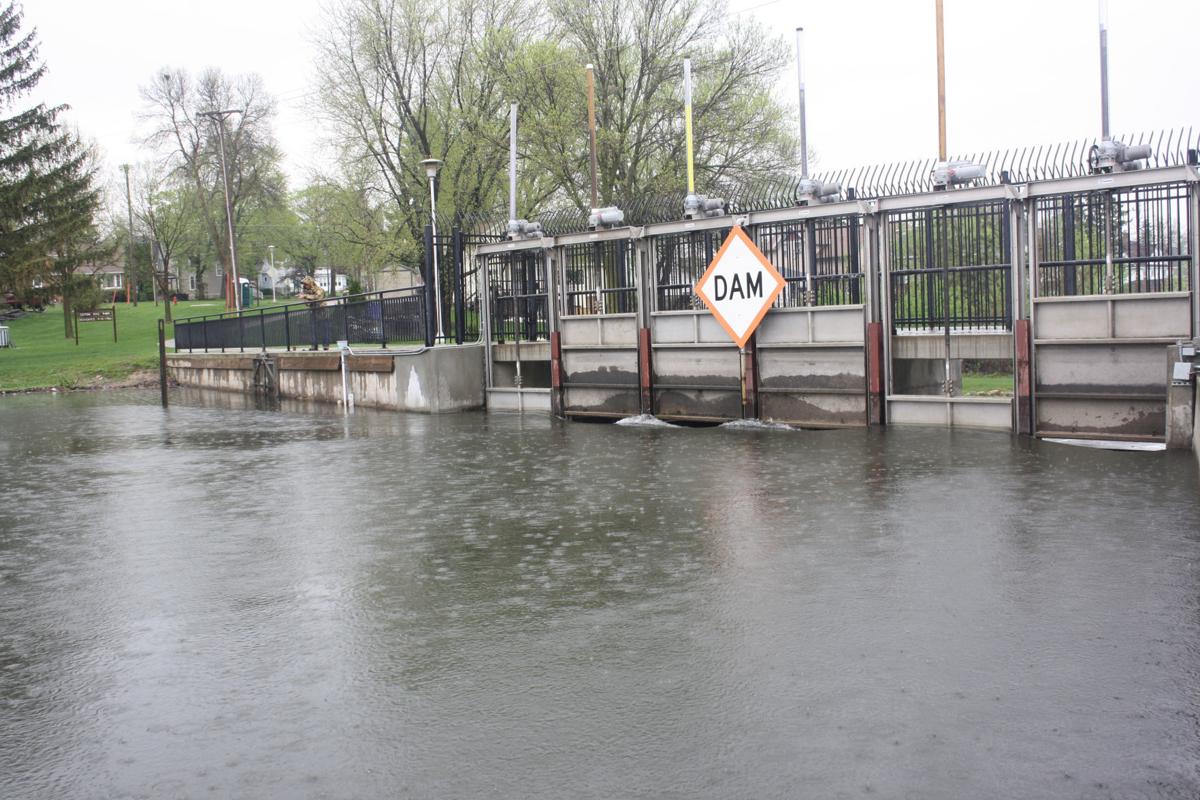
x=271 y=249
x=219 y=118
x=432 y=165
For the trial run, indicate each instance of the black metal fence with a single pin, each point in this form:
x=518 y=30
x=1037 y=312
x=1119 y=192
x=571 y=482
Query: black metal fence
x=519 y=292
x=457 y=284
x=679 y=261
x=599 y=278
x=379 y=318
x=818 y=259
x=949 y=267
x=1148 y=229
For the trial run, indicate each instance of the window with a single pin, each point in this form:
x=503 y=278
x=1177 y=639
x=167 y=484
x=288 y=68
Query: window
x=192 y=282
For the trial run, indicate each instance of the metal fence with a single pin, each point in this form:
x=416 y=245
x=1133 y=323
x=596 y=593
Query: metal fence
x=519 y=292
x=679 y=261
x=379 y=318
x=1114 y=242
x=458 y=284
x=599 y=278
x=818 y=259
x=949 y=267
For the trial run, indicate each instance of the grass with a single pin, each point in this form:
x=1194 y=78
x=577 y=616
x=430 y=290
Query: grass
x=41 y=357
x=976 y=383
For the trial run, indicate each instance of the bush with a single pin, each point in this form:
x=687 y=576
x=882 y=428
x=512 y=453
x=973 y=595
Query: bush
x=354 y=287
x=85 y=293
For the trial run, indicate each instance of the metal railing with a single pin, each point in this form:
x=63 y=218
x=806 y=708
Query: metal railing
x=961 y=298
x=519 y=294
x=1114 y=242
x=599 y=278
x=382 y=318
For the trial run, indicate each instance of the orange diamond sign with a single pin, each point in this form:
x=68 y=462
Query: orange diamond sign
x=739 y=286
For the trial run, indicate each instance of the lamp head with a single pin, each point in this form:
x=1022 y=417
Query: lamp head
x=431 y=165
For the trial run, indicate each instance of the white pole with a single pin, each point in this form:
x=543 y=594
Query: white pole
x=271 y=248
x=512 y=162
x=437 y=283
x=803 y=122
x=1103 y=9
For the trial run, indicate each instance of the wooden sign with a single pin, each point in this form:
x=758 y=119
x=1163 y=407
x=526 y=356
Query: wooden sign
x=96 y=315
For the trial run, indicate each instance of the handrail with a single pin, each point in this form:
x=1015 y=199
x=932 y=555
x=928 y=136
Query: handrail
x=326 y=301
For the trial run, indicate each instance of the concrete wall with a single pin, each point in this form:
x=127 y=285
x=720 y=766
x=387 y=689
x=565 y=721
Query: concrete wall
x=435 y=380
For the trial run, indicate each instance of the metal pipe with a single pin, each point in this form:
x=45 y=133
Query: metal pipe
x=941 y=80
x=591 y=97
x=437 y=283
x=1103 y=11
x=687 y=123
x=803 y=120
x=512 y=162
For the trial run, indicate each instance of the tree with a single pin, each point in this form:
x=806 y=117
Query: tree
x=164 y=210
x=48 y=198
x=637 y=48
x=176 y=104
x=406 y=81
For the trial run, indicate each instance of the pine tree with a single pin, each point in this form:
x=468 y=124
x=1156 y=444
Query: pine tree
x=48 y=200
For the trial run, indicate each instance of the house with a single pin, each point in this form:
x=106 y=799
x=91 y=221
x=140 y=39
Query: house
x=109 y=277
x=340 y=280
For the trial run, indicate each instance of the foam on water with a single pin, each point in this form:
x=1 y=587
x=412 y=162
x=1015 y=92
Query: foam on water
x=755 y=425
x=645 y=421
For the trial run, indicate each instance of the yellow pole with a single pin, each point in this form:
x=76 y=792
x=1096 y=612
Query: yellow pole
x=687 y=121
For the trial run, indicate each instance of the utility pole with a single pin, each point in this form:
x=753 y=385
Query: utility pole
x=271 y=248
x=129 y=245
x=941 y=80
x=234 y=286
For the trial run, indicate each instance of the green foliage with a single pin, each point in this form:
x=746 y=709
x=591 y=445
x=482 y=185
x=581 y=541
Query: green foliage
x=405 y=81
x=85 y=292
x=48 y=200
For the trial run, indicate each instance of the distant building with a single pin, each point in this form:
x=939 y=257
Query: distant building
x=109 y=277
x=340 y=280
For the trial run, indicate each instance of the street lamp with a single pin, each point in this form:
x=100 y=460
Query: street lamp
x=219 y=118
x=271 y=249
x=432 y=165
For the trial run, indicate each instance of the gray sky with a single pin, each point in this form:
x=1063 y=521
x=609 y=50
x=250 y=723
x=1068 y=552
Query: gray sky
x=1019 y=72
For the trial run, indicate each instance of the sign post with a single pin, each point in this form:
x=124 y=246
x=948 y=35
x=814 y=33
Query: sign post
x=98 y=315
x=739 y=287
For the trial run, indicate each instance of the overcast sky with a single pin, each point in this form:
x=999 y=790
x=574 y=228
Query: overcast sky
x=1019 y=72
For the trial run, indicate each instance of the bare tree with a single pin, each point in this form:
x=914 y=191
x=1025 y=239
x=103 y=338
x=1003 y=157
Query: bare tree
x=405 y=80
x=165 y=211
x=188 y=142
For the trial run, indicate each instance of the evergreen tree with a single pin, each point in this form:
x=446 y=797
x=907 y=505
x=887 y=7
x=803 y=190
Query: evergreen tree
x=48 y=198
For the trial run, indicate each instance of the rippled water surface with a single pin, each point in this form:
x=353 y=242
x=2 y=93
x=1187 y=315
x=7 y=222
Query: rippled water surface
x=220 y=601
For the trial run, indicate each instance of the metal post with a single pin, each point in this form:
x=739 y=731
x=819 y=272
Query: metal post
x=429 y=295
x=129 y=245
x=287 y=330
x=437 y=282
x=941 y=80
x=687 y=123
x=591 y=97
x=162 y=361
x=460 y=322
x=1103 y=8
x=262 y=330
x=1108 y=243
x=512 y=162
x=803 y=121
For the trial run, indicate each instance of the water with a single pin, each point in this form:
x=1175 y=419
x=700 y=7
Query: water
x=218 y=601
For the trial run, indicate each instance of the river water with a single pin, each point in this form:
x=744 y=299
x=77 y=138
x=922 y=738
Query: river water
x=224 y=601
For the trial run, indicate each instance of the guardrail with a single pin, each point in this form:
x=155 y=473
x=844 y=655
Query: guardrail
x=385 y=318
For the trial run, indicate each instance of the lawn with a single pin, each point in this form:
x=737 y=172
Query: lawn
x=41 y=357
x=978 y=383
